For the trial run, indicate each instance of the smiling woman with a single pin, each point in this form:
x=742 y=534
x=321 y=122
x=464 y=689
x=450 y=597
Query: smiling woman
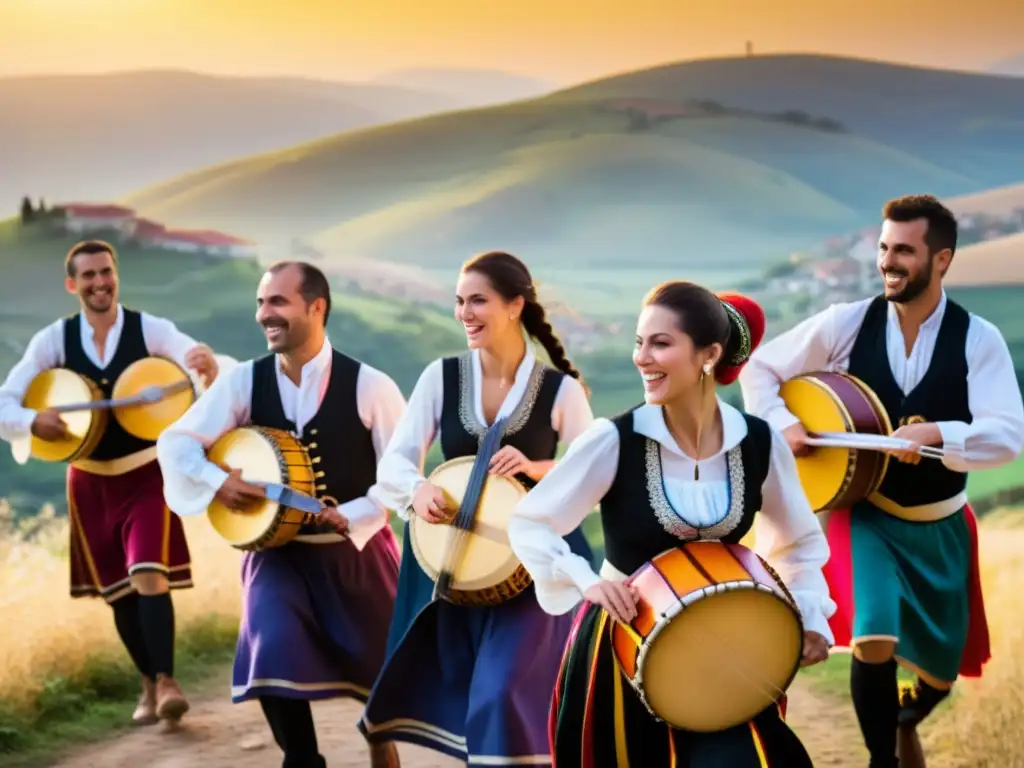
x=683 y=467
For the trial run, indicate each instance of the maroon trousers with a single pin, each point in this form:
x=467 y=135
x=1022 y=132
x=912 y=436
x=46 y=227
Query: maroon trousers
x=121 y=525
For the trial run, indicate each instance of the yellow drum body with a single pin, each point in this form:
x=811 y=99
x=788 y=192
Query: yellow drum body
x=488 y=572
x=147 y=421
x=717 y=637
x=837 y=478
x=52 y=389
x=264 y=456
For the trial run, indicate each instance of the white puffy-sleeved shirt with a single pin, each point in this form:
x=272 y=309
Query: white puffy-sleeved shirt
x=825 y=341
x=191 y=482
x=787 y=533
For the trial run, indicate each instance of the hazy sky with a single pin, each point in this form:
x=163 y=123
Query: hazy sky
x=560 y=40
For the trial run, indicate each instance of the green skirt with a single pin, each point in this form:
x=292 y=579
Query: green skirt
x=910 y=585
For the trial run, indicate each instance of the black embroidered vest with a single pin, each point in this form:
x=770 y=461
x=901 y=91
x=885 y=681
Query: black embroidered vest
x=338 y=442
x=529 y=426
x=638 y=521
x=115 y=443
x=940 y=396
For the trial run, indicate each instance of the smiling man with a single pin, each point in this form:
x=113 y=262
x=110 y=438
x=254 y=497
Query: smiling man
x=946 y=379
x=125 y=546
x=316 y=610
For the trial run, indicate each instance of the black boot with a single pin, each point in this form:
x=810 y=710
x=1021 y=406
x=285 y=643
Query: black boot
x=918 y=702
x=875 y=694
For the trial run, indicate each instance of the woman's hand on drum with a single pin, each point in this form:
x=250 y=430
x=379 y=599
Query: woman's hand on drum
x=509 y=462
x=237 y=494
x=616 y=597
x=815 y=649
x=428 y=502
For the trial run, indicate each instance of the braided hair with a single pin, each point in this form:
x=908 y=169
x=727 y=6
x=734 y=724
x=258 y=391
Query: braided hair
x=510 y=278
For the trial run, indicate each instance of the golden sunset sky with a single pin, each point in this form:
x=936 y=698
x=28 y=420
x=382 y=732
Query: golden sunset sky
x=560 y=40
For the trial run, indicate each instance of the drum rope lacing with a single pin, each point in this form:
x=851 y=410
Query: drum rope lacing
x=462 y=524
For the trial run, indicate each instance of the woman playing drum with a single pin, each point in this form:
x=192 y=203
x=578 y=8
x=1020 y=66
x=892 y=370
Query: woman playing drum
x=682 y=467
x=475 y=682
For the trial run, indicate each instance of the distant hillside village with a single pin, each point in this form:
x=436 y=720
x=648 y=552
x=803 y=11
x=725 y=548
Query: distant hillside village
x=106 y=219
x=844 y=268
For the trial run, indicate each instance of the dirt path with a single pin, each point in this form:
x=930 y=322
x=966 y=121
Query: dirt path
x=219 y=734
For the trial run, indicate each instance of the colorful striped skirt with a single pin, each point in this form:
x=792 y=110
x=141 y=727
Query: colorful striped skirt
x=598 y=721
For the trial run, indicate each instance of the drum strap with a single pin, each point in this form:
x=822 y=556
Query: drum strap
x=463 y=521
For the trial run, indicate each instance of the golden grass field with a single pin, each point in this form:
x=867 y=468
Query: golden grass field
x=1001 y=201
x=993 y=262
x=54 y=637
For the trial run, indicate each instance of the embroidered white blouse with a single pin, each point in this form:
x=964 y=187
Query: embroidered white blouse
x=400 y=471
x=190 y=481
x=824 y=342
x=787 y=533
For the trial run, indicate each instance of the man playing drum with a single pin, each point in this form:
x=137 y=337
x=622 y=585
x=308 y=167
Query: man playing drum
x=126 y=546
x=946 y=378
x=316 y=610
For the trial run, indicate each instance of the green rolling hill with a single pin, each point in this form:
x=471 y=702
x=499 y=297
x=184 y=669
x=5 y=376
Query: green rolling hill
x=731 y=161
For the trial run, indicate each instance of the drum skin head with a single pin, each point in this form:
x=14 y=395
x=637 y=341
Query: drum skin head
x=147 y=421
x=484 y=561
x=248 y=448
x=722 y=661
x=50 y=389
x=824 y=470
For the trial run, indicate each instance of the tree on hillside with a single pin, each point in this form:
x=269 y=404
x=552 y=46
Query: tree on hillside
x=27 y=211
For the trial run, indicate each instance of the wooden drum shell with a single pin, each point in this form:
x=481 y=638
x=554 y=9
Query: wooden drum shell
x=489 y=573
x=838 y=478
x=717 y=637
x=264 y=455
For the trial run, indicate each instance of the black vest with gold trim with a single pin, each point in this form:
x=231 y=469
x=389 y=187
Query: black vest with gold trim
x=336 y=438
x=940 y=396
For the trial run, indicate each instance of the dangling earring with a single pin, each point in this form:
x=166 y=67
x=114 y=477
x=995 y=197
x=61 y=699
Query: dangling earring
x=704 y=372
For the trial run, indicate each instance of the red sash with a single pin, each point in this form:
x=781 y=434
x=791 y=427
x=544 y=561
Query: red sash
x=839 y=575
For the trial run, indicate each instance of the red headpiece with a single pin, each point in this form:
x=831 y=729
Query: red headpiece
x=747 y=319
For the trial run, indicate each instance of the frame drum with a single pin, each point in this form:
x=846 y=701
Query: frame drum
x=489 y=571
x=147 y=420
x=837 y=478
x=52 y=389
x=717 y=637
x=265 y=456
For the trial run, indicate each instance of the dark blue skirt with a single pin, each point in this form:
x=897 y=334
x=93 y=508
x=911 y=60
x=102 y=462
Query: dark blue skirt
x=314 y=619
x=470 y=682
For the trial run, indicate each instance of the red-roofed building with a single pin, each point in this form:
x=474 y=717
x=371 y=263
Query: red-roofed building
x=142 y=229
x=88 y=217
x=207 y=241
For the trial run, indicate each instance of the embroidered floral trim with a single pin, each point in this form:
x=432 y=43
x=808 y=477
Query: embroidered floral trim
x=519 y=416
x=672 y=521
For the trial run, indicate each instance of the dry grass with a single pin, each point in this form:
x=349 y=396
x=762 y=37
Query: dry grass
x=982 y=727
x=1001 y=201
x=994 y=262
x=53 y=637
